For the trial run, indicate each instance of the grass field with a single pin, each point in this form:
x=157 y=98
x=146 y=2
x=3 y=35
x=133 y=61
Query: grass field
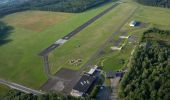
x=19 y=58
x=152 y=16
x=3 y=90
x=36 y=20
x=88 y=41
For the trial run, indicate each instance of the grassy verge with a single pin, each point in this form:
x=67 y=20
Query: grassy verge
x=3 y=90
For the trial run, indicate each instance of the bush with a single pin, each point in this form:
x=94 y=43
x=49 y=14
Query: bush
x=94 y=92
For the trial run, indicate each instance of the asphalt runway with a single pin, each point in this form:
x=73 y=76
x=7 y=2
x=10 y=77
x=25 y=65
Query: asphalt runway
x=46 y=51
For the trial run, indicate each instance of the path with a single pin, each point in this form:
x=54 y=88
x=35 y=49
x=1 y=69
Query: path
x=20 y=87
x=114 y=86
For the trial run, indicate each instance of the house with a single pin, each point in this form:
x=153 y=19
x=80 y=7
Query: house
x=83 y=86
x=110 y=74
x=133 y=23
x=119 y=74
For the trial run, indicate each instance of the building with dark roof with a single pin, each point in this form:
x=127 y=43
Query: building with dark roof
x=83 y=85
x=119 y=74
x=110 y=74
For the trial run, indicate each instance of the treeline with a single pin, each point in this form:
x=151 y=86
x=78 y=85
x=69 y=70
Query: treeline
x=158 y=3
x=17 y=95
x=51 y=5
x=5 y=31
x=148 y=77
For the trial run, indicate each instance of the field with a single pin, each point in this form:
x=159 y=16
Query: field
x=19 y=58
x=36 y=20
x=35 y=30
x=3 y=90
x=152 y=17
x=89 y=40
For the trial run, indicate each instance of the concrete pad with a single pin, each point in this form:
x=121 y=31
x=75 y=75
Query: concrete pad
x=60 y=41
x=124 y=37
x=116 y=48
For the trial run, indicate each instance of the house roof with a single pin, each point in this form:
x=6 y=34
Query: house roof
x=92 y=70
x=84 y=83
x=119 y=74
x=110 y=74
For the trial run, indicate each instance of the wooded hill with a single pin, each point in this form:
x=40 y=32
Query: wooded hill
x=148 y=77
x=158 y=3
x=51 y=5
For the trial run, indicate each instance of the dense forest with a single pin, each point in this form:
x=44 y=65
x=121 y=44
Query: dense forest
x=17 y=95
x=50 y=5
x=158 y=3
x=148 y=77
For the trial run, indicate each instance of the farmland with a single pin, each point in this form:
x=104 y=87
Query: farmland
x=19 y=57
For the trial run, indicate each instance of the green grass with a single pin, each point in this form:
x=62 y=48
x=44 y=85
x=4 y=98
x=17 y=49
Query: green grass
x=36 y=20
x=89 y=39
x=155 y=17
x=19 y=58
x=3 y=90
x=34 y=31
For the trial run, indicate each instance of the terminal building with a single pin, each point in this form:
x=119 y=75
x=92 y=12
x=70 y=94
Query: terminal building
x=83 y=86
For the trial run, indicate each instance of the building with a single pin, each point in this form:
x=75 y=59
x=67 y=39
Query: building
x=83 y=86
x=119 y=74
x=110 y=74
x=133 y=23
x=93 y=70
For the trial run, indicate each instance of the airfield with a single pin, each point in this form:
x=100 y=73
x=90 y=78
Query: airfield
x=34 y=31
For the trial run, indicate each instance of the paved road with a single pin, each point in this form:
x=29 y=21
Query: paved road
x=77 y=30
x=48 y=72
x=20 y=87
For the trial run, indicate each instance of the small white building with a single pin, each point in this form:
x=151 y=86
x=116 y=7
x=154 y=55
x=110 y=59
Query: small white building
x=93 y=70
x=61 y=41
x=133 y=23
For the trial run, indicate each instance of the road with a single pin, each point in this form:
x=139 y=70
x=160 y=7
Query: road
x=77 y=30
x=48 y=72
x=20 y=87
x=114 y=86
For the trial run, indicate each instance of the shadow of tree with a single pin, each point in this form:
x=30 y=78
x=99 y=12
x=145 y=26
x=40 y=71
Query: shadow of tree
x=5 y=31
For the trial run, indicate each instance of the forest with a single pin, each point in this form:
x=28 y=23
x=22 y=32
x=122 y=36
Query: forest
x=158 y=3
x=148 y=77
x=74 y=6
x=17 y=95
